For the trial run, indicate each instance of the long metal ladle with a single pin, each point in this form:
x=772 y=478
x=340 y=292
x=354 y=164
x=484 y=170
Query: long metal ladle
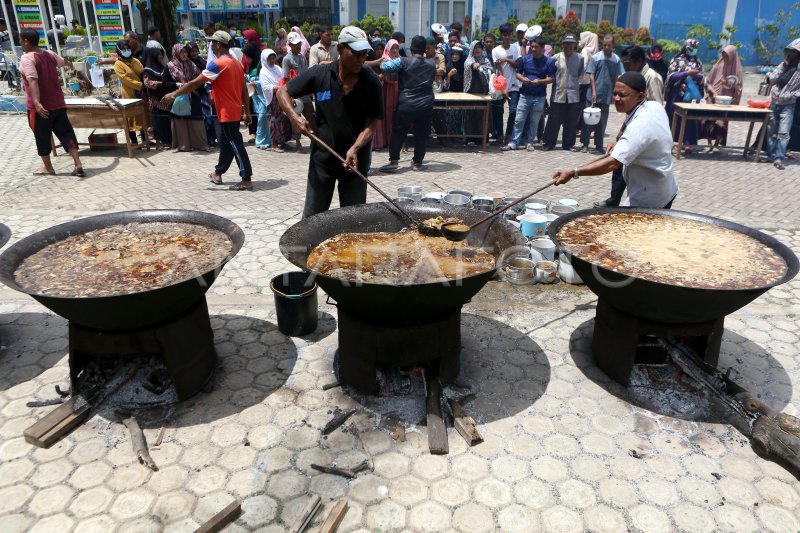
x=363 y=177
x=458 y=231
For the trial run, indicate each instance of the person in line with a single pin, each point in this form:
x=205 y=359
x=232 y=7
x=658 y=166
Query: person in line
x=401 y=40
x=135 y=45
x=5 y=37
x=390 y=90
x=270 y=78
x=450 y=121
x=604 y=69
x=633 y=59
x=129 y=71
x=208 y=30
x=414 y=104
x=281 y=43
x=324 y=51
x=506 y=57
x=725 y=79
x=643 y=148
x=588 y=46
x=304 y=46
x=188 y=133
x=154 y=39
x=251 y=62
x=685 y=66
x=477 y=76
x=47 y=111
x=489 y=42
x=258 y=104
x=535 y=71
x=784 y=90
x=206 y=105
x=155 y=88
x=348 y=104
x=230 y=95
x=521 y=41
x=432 y=52
x=316 y=34
x=655 y=60
x=295 y=64
x=565 y=103
x=236 y=39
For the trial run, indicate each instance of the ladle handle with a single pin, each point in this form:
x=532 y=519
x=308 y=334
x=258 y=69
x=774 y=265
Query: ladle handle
x=359 y=174
x=509 y=206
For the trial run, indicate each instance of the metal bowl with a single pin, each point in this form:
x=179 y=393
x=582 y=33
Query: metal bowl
x=410 y=191
x=465 y=192
x=484 y=204
x=458 y=200
x=519 y=270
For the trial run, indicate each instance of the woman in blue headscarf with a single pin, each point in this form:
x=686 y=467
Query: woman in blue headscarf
x=684 y=67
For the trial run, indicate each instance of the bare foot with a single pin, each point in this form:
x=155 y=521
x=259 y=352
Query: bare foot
x=44 y=171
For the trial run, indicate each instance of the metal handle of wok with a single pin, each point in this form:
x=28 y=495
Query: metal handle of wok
x=330 y=302
x=360 y=175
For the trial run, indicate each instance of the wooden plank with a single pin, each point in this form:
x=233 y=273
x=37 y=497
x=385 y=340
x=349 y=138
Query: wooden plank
x=308 y=513
x=465 y=424
x=58 y=422
x=334 y=518
x=230 y=513
x=437 y=431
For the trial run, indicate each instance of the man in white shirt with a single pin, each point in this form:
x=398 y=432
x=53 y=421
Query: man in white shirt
x=643 y=148
x=325 y=50
x=506 y=56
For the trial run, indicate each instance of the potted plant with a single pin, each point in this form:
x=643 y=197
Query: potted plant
x=74 y=85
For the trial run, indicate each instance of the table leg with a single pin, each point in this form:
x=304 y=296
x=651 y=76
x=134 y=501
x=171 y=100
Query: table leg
x=486 y=111
x=128 y=143
x=681 y=134
x=747 y=142
x=761 y=136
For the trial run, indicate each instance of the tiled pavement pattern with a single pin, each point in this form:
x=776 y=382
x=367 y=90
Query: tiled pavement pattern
x=565 y=449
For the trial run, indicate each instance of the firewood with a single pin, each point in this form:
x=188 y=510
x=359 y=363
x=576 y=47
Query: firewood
x=437 y=431
x=399 y=433
x=465 y=424
x=334 y=518
x=221 y=519
x=306 y=515
x=339 y=418
x=58 y=422
x=344 y=472
x=769 y=439
x=139 y=443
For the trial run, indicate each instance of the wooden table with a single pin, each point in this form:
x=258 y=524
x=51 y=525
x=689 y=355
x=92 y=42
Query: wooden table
x=92 y=113
x=730 y=113
x=466 y=101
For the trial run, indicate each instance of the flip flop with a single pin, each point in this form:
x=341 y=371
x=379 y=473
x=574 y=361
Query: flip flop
x=215 y=182
x=79 y=172
x=240 y=187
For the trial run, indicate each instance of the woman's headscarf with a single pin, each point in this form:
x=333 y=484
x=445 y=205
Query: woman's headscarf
x=280 y=41
x=121 y=45
x=485 y=68
x=589 y=43
x=548 y=50
x=722 y=70
x=182 y=71
x=152 y=67
x=268 y=76
x=304 y=46
x=684 y=61
x=457 y=83
x=198 y=61
x=387 y=51
x=251 y=51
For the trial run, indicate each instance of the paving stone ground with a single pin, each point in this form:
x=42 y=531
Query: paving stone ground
x=566 y=449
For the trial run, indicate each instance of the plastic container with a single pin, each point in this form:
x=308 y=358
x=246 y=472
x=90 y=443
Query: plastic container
x=295 y=303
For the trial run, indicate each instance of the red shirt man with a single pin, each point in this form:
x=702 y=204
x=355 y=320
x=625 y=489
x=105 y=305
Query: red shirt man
x=47 y=111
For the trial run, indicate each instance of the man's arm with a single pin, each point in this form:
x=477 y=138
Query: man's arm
x=187 y=88
x=363 y=139
x=595 y=168
x=33 y=84
x=393 y=65
x=594 y=90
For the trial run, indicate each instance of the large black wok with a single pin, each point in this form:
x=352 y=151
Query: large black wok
x=5 y=234
x=127 y=311
x=661 y=302
x=396 y=304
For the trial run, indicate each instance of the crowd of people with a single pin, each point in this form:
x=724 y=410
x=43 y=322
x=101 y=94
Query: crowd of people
x=198 y=102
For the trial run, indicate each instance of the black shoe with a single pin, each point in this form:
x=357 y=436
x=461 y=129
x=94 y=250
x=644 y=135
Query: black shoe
x=600 y=204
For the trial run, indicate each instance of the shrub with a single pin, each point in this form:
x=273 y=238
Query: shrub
x=670 y=47
x=643 y=37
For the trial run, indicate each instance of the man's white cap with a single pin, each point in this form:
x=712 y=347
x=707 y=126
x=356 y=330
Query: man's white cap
x=221 y=37
x=355 y=38
x=294 y=38
x=522 y=27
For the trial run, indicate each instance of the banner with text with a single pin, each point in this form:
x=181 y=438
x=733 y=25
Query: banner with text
x=109 y=23
x=29 y=15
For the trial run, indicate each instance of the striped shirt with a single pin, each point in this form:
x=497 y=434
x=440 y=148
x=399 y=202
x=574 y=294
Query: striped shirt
x=568 y=77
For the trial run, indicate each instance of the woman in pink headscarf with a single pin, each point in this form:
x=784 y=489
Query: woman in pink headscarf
x=725 y=79
x=383 y=128
x=304 y=46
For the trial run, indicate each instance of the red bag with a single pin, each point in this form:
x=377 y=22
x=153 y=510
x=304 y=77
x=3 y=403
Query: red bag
x=758 y=104
x=500 y=83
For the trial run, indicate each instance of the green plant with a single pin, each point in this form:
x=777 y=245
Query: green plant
x=570 y=23
x=773 y=36
x=369 y=21
x=90 y=53
x=701 y=32
x=670 y=47
x=546 y=18
x=643 y=37
x=589 y=26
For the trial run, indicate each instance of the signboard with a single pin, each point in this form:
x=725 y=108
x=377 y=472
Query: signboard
x=195 y=5
x=109 y=23
x=274 y=5
x=215 y=5
x=232 y=5
x=29 y=16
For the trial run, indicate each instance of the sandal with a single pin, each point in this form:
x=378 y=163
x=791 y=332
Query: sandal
x=240 y=187
x=215 y=181
x=79 y=172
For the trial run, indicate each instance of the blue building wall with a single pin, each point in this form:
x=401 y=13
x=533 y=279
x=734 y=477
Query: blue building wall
x=672 y=18
x=749 y=15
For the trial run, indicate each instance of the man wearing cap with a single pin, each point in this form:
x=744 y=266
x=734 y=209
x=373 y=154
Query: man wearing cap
x=521 y=29
x=324 y=51
x=603 y=70
x=208 y=31
x=414 y=103
x=349 y=102
x=505 y=56
x=295 y=64
x=565 y=104
x=784 y=90
x=633 y=59
x=229 y=90
x=643 y=148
